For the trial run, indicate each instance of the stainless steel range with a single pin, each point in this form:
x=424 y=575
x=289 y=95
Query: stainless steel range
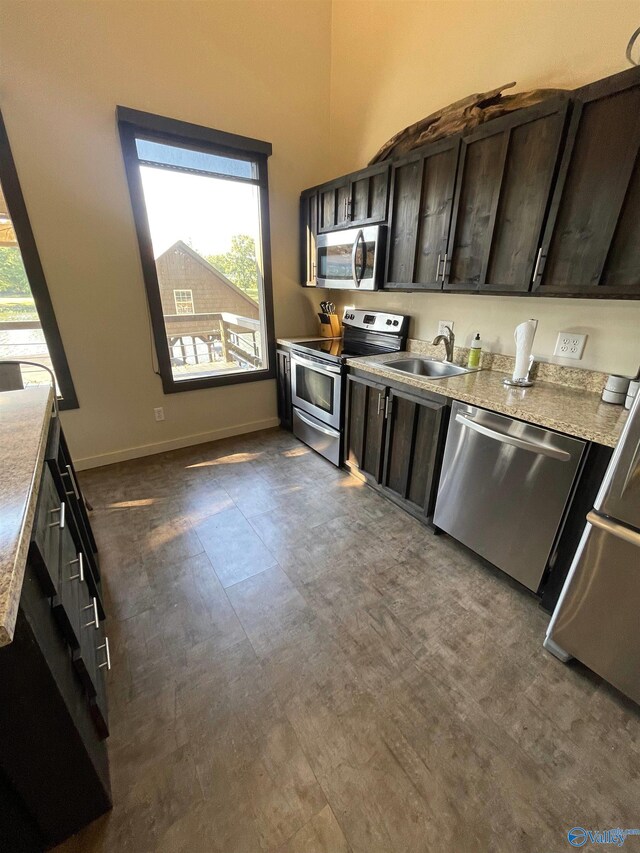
x=318 y=370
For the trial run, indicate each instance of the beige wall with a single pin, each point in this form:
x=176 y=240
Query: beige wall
x=412 y=57
x=258 y=68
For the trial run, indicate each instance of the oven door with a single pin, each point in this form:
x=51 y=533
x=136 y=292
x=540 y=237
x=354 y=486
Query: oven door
x=350 y=259
x=316 y=387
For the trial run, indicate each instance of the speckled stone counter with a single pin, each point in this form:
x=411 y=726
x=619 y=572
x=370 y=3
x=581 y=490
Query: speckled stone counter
x=24 y=424
x=567 y=409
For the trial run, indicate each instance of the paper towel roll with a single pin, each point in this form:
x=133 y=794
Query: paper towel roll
x=523 y=336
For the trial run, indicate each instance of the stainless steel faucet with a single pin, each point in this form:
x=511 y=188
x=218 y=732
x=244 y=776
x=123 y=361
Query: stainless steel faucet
x=448 y=340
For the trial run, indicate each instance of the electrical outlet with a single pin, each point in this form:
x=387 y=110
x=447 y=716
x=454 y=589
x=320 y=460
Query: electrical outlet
x=442 y=324
x=570 y=345
x=158 y=413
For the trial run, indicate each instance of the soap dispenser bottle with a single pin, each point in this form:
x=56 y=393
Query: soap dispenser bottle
x=475 y=351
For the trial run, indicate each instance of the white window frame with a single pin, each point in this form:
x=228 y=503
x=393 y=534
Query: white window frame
x=189 y=297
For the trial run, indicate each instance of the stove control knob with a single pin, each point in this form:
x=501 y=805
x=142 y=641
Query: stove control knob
x=396 y=322
x=389 y=322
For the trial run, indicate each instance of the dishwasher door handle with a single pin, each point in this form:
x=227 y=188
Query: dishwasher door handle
x=523 y=444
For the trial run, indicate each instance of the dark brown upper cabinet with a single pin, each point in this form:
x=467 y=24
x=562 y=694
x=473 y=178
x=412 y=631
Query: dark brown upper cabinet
x=357 y=199
x=591 y=244
x=505 y=178
x=308 y=235
x=420 y=216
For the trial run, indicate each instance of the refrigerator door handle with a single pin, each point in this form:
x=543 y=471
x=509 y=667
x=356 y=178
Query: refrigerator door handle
x=614 y=528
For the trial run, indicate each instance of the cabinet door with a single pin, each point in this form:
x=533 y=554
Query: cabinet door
x=370 y=195
x=590 y=245
x=283 y=378
x=505 y=180
x=421 y=206
x=406 y=180
x=365 y=426
x=413 y=451
x=439 y=168
x=308 y=235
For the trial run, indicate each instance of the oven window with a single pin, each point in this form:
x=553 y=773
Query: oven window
x=315 y=388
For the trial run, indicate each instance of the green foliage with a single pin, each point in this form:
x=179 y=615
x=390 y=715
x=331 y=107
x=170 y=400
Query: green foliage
x=13 y=278
x=239 y=264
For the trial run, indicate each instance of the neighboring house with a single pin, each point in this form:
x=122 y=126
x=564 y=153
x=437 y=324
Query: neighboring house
x=191 y=285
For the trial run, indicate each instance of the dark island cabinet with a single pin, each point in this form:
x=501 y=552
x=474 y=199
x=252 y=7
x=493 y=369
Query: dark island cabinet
x=283 y=379
x=420 y=216
x=591 y=244
x=395 y=440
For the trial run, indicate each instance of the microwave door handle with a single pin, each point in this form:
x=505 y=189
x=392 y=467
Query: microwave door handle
x=354 y=251
x=533 y=446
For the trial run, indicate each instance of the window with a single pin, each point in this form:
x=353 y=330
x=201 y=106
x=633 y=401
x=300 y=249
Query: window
x=28 y=327
x=200 y=203
x=184 y=301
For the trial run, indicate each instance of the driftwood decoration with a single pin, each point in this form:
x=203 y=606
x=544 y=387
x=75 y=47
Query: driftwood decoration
x=462 y=115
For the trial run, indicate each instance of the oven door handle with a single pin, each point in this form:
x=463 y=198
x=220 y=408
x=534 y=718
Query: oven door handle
x=354 y=251
x=314 y=365
x=332 y=433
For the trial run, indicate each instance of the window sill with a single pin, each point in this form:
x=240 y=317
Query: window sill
x=171 y=386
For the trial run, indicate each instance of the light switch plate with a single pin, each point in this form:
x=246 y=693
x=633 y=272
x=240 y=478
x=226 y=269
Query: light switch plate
x=442 y=324
x=570 y=345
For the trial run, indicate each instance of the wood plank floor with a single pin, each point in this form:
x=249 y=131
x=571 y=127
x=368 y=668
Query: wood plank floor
x=300 y=666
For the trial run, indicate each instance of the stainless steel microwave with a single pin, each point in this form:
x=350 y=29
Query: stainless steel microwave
x=350 y=259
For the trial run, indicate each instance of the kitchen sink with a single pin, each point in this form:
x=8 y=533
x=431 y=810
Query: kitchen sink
x=428 y=367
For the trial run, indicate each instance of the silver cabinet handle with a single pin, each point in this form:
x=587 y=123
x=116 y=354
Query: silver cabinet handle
x=69 y=473
x=380 y=398
x=60 y=521
x=533 y=446
x=438 y=266
x=444 y=266
x=537 y=266
x=107 y=661
x=80 y=574
x=93 y=606
x=614 y=528
x=387 y=407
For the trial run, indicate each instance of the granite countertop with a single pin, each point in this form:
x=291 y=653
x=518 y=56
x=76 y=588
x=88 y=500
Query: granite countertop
x=24 y=427
x=570 y=410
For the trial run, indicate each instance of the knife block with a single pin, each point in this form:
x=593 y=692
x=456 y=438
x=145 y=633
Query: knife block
x=329 y=325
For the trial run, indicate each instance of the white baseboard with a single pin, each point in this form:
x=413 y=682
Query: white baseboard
x=172 y=444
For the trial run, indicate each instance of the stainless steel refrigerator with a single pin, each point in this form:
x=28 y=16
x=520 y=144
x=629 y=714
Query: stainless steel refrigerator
x=597 y=618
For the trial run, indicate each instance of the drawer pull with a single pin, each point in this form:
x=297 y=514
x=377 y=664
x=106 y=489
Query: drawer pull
x=80 y=573
x=69 y=473
x=107 y=661
x=93 y=606
x=60 y=521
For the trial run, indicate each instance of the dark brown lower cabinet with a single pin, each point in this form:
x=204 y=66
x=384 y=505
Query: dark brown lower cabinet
x=395 y=441
x=414 y=443
x=54 y=771
x=366 y=402
x=283 y=379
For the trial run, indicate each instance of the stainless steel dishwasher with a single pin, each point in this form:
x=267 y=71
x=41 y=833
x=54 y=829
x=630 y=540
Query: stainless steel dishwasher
x=504 y=488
